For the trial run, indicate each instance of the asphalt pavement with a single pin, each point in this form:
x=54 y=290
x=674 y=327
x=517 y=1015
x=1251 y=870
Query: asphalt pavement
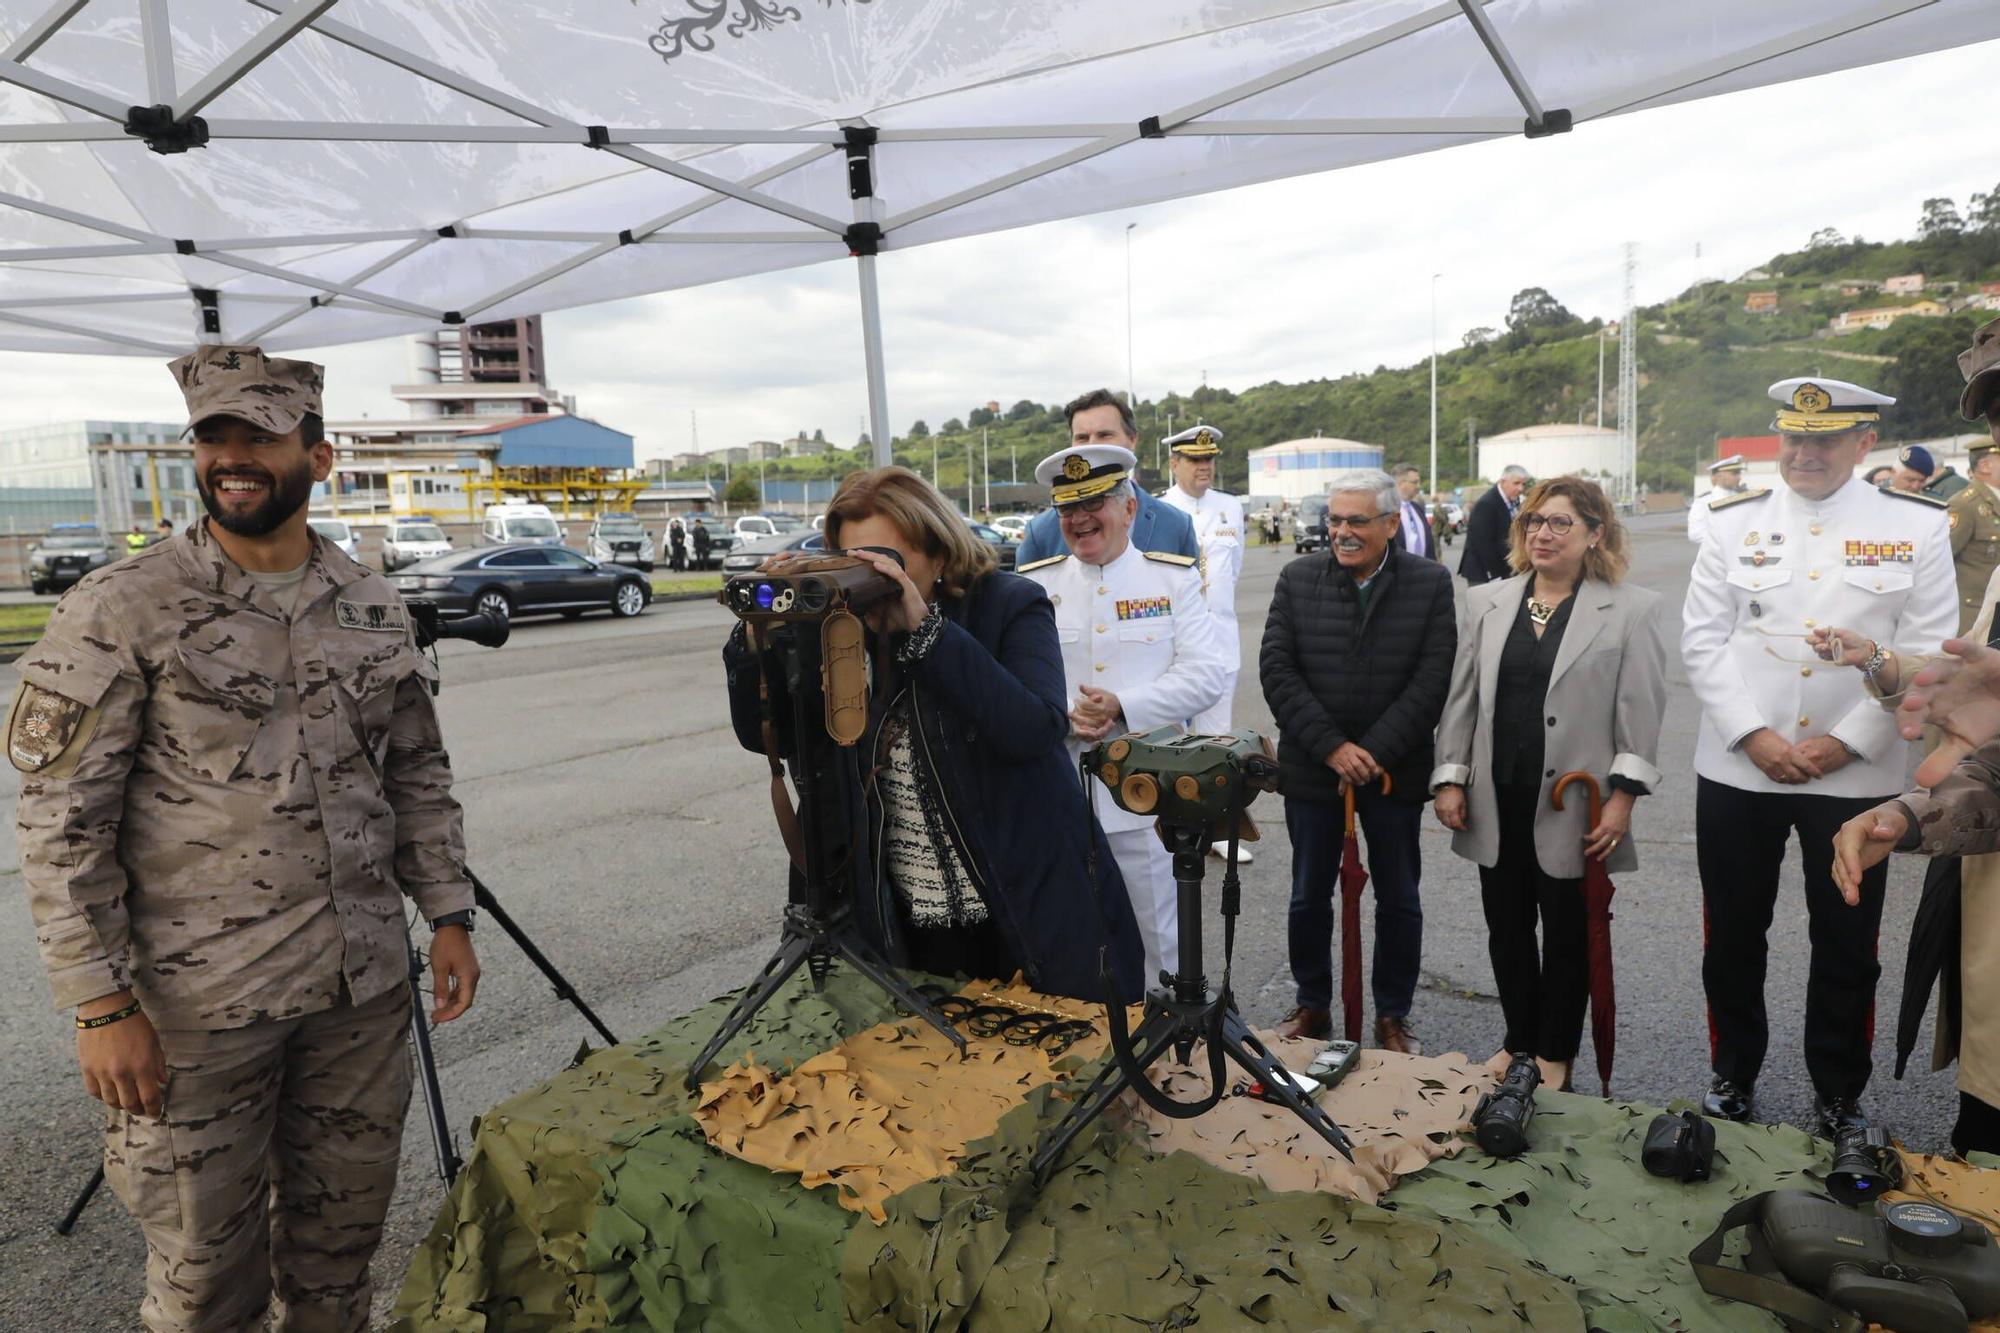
x=611 y=811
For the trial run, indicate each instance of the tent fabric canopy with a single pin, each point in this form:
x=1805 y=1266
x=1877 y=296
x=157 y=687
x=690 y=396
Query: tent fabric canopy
x=305 y=172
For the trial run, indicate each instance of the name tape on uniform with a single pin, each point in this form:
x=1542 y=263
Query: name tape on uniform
x=371 y=616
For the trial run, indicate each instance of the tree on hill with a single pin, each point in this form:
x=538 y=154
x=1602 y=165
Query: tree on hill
x=1024 y=409
x=1479 y=336
x=741 y=491
x=1924 y=378
x=1940 y=221
x=1534 y=308
x=918 y=430
x=978 y=417
x=1983 y=213
x=953 y=427
x=1826 y=238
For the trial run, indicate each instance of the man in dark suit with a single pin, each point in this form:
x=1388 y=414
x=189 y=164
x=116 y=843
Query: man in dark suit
x=1485 y=557
x=1413 y=531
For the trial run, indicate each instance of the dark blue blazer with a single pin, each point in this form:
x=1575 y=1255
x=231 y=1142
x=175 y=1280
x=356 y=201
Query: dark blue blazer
x=993 y=707
x=1158 y=526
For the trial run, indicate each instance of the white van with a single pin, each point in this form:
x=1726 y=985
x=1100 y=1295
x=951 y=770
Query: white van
x=520 y=525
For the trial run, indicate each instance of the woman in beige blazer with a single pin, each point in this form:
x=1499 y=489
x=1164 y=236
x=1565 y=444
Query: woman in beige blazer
x=1560 y=668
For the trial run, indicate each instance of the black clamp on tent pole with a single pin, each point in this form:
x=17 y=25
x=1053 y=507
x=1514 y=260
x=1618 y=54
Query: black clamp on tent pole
x=861 y=140
x=162 y=133
x=211 y=317
x=600 y=136
x=1552 y=122
x=451 y=317
x=1150 y=128
x=863 y=238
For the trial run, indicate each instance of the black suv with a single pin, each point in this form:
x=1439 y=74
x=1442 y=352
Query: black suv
x=65 y=555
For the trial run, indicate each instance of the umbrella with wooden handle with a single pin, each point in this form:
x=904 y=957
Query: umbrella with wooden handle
x=1353 y=876
x=1597 y=891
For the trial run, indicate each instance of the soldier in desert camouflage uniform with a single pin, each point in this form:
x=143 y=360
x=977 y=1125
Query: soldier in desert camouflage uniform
x=231 y=776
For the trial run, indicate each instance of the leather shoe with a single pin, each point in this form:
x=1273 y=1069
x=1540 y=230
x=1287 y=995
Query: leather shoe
x=1394 y=1034
x=1725 y=1101
x=1306 y=1021
x=1836 y=1115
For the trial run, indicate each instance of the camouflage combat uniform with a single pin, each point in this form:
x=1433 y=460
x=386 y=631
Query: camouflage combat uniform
x=1975 y=544
x=222 y=808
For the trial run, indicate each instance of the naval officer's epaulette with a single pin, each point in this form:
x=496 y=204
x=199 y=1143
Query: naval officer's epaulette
x=1918 y=496
x=1169 y=558
x=1042 y=563
x=1742 y=497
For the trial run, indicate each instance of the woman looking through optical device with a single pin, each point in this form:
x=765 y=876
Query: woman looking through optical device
x=977 y=829
x=1560 y=668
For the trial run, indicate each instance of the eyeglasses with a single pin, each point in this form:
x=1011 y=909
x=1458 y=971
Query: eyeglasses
x=1560 y=524
x=1335 y=522
x=1787 y=658
x=1090 y=506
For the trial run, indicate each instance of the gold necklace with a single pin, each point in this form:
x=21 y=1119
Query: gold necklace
x=1541 y=612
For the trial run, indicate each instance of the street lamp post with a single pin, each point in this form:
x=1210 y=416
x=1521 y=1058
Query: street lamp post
x=1434 y=382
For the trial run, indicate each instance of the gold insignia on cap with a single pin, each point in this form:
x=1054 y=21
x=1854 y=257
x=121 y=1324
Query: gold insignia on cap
x=1076 y=467
x=1203 y=437
x=1811 y=398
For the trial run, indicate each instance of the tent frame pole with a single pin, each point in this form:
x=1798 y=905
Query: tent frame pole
x=864 y=240
x=48 y=25
x=156 y=33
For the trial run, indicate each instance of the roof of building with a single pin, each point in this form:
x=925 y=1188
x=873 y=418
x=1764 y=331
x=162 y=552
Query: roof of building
x=1551 y=431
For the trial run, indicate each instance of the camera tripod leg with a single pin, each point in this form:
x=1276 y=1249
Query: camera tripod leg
x=427 y=1075
x=487 y=903
x=794 y=950
x=1159 y=1030
x=863 y=960
x=83 y=1198
x=1242 y=1045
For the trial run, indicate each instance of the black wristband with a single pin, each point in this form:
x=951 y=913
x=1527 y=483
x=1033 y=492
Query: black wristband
x=106 y=1020
x=460 y=918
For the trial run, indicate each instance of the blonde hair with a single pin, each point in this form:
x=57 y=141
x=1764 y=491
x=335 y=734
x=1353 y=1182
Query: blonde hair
x=924 y=517
x=1605 y=561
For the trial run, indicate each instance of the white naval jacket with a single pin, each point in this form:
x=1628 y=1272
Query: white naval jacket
x=1218 y=527
x=1775 y=566
x=1138 y=627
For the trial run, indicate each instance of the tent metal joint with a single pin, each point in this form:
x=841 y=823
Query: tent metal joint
x=1150 y=128
x=451 y=317
x=626 y=237
x=1556 y=121
x=184 y=246
x=861 y=140
x=162 y=132
x=863 y=238
x=211 y=317
x=600 y=136
x=448 y=232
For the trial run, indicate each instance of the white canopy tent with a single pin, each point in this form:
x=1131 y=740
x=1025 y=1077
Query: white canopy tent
x=304 y=172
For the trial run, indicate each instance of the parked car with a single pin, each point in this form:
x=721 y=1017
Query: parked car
x=1005 y=548
x=1015 y=526
x=65 y=554
x=752 y=526
x=510 y=581
x=620 y=538
x=1309 y=529
x=338 y=531
x=748 y=555
x=519 y=524
x=408 y=540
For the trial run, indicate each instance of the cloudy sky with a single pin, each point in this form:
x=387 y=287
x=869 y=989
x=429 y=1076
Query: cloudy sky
x=1310 y=277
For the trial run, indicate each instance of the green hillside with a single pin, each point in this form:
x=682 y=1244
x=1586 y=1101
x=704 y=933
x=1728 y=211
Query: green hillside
x=1704 y=362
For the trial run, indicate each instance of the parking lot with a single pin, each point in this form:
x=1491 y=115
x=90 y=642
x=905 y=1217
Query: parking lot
x=611 y=810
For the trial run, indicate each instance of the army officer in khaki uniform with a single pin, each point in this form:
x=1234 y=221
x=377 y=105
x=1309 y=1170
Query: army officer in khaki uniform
x=231 y=777
x=1975 y=530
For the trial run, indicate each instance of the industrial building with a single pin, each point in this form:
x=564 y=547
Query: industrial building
x=1301 y=469
x=117 y=474
x=1552 y=451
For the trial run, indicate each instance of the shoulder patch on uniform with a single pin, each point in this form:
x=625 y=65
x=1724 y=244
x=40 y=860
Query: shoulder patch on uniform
x=1169 y=558
x=387 y=617
x=1741 y=497
x=1043 y=563
x=40 y=727
x=1918 y=497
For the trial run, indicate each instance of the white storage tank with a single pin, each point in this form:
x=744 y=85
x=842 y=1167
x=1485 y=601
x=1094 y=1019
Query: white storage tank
x=1300 y=469
x=1551 y=451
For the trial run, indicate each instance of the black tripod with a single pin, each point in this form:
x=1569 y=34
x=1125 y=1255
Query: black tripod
x=819 y=924
x=1181 y=1013
x=420 y=1039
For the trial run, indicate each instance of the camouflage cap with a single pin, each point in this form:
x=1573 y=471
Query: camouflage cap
x=240 y=381
x=1980 y=364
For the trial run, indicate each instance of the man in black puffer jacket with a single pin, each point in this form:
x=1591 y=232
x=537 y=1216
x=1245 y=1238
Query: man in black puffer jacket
x=1356 y=664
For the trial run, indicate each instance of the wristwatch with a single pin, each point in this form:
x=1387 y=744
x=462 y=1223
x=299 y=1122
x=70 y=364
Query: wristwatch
x=461 y=918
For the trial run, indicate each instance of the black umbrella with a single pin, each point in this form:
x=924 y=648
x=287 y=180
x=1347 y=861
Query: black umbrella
x=1933 y=957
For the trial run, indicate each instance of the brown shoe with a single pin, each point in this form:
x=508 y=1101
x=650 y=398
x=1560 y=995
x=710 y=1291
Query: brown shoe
x=1306 y=1021
x=1393 y=1034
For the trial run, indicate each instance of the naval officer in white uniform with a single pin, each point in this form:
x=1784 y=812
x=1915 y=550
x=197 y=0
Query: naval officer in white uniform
x=1725 y=476
x=1140 y=650
x=1790 y=744
x=1218 y=527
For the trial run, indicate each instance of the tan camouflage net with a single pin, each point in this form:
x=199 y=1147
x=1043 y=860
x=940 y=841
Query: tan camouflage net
x=1402 y=1112
x=889 y=1107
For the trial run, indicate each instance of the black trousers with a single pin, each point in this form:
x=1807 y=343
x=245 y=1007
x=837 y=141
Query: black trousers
x=1978 y=1127
x=1543 y=990
x=1740 y=839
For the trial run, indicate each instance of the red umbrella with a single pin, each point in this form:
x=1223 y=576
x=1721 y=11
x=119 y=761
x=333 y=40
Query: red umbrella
x=1597 y=891
x=1352 y=877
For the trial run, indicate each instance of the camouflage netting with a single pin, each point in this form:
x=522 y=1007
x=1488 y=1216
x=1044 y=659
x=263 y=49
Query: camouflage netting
x=1579 y=1204
x=508 y=1249
x=1121 y=1239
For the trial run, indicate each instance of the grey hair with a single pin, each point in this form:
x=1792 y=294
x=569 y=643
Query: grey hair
x=1406 y=470
x=1513 y=470
x=1371 y=480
